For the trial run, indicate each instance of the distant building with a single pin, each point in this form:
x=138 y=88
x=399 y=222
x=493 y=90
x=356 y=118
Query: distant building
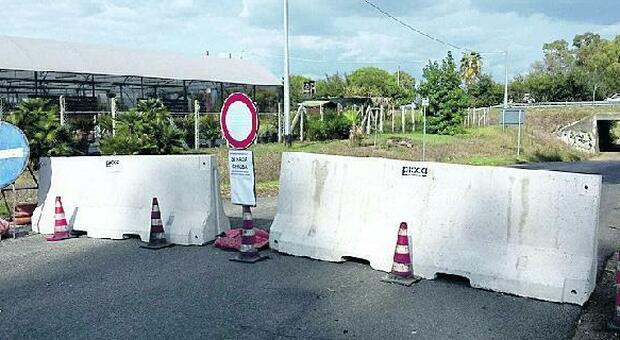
x=89 y=75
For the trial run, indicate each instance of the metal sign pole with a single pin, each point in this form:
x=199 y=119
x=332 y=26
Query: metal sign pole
x=287 y=102
x=196 y=125
x=519 y=135
x=424 y=135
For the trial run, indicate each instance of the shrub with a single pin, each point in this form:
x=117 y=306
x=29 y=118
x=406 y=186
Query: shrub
x=146 y=130
x=40 y=122
x=333 y=126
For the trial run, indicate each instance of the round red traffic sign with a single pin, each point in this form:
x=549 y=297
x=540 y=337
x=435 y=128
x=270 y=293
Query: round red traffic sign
x=239 y=120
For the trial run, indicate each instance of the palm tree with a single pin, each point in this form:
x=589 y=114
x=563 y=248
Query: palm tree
x=471 y=66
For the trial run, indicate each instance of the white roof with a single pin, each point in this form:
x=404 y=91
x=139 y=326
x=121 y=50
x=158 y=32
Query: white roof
x=48 y=55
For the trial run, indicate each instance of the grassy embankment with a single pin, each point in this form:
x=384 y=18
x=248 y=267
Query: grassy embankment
x=477 y=146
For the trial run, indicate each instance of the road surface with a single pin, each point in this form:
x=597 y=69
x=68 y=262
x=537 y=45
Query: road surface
x=102 y=289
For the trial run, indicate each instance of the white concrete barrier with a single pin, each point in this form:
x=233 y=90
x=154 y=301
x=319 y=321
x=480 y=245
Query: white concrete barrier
x=110 y=197
x=525 y=232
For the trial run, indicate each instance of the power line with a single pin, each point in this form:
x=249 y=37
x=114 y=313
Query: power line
x=445 y=43
x=346 y=62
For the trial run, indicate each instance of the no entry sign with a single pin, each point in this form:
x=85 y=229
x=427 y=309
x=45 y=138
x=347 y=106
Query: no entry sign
x=239 y=121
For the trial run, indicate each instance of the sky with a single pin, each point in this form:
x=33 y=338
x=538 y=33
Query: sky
x=326 y=36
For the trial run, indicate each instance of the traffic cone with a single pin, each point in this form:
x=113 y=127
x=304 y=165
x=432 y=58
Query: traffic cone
x=61 y=228
x=402 y=273
x=614 y=323
x=248 y=252
x=157 y=238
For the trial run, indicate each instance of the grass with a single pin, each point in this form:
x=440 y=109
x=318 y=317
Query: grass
x=477 y=146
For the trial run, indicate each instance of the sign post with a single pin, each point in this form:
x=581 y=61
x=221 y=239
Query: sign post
x=425 y=103
x=514 y=116
x=239 y=123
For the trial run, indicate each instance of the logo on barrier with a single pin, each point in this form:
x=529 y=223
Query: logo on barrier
x=414 y=171
x=111 y=163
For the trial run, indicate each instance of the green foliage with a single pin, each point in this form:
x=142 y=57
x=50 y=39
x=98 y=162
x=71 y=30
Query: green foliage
x=471 y=66
x=333 y=126
x=40 y=123
x=448 y=100
x=372 y=82
x=351 y=116
x=144 y=130
x=485 y=92
x=614 y=132
x=331 y=87
x=296 y=85
x=589 y=70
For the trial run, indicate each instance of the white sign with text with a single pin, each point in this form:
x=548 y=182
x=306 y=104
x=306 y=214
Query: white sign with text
x=241 y=170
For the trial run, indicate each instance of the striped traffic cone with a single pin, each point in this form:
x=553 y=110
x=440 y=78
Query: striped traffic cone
x=61 y=228
x=402 y=273
x=614 y=323
x=157 y=238
x=248 y=252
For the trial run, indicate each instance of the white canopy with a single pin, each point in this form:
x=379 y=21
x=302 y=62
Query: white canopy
x=54 y=56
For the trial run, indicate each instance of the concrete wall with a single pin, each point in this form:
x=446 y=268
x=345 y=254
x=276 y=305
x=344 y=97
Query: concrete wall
x=525 y=232
x=110 y=197
x=583 y=135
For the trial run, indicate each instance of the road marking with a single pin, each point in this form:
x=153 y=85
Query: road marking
x=12 y=153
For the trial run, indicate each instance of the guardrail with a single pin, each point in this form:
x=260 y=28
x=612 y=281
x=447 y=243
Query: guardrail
x=556 y=104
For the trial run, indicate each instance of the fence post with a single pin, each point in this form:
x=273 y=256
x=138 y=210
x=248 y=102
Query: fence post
x=62 y=110
x=196 y=125
x=113 y=111
x=402 y=118
x=279 y=122
x=412 y=119
x=393 y=114
x=368 y=116
x=381 y=114
x=301 y=124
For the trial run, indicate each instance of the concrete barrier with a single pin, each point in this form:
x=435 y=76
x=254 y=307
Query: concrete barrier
x=110 y=197
x=525 y=232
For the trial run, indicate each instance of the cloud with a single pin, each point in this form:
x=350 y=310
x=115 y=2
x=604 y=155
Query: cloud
x=326 y=36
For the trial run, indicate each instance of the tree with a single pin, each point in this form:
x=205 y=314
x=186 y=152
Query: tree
x=372 y=82
x=39 y=120
x=296 y=86
x=331 y=87
x=406 y=89
x=448 y=100
x=471 y=66
x=590 y=70
x=558 y=57
x=485 y=92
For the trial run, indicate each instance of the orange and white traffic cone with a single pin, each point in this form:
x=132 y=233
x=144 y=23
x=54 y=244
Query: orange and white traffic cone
x=614 y=323
x=157 y=237
x=61 y=228
x=402 y=272
x=248 y=252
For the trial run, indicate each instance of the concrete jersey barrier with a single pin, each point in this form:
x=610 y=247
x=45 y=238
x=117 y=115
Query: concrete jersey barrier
x=526 y=232
x=110 y=197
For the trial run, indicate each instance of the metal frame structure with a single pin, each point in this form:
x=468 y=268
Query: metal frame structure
x=178 y=95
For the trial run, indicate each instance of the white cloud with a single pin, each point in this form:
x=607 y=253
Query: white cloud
x=344 y=34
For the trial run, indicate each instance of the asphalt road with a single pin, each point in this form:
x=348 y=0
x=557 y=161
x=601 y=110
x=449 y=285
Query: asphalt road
x=101 y=289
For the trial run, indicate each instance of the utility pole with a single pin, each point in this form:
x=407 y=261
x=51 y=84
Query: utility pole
x=287 y=95
x=398 y=76
x=506 y=81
